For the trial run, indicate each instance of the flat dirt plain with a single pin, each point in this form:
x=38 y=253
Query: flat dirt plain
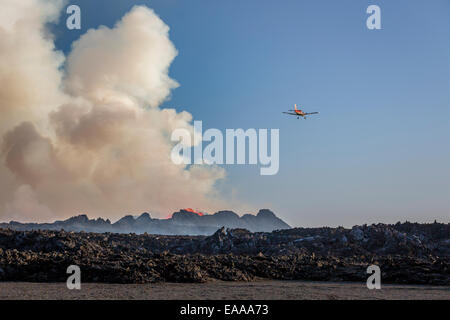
x=219 y=290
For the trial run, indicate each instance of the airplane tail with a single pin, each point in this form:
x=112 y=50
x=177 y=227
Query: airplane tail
x=295 y=107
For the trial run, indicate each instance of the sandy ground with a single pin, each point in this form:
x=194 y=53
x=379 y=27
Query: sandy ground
x=260 y=290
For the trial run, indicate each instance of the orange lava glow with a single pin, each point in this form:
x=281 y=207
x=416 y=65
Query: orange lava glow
x=192 y=210
x=188 y=210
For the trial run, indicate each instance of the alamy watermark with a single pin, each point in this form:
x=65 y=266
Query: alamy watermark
x=237 y=143
x=73 y=21
x=374 y=20
x=374 y=281
x=74 y=280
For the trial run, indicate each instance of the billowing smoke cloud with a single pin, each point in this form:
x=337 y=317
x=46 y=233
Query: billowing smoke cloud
x=29 y=65
x=91 y=138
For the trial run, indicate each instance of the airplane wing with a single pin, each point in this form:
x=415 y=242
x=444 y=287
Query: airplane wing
x=311 y=113
x=294 y=114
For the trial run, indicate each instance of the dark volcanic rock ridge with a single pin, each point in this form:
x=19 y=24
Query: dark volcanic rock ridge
x=183 y=222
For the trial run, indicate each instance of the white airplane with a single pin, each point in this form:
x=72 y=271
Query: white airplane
x=299 y=113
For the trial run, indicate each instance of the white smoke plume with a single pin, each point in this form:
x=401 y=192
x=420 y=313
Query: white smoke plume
x=90 y=137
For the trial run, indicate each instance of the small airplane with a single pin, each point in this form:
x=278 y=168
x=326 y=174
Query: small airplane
x=299 y=113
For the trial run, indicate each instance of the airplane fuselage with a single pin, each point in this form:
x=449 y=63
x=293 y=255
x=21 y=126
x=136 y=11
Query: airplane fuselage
x=299 y=113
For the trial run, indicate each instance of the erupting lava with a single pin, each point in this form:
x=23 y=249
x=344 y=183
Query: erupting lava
x=192 y=210
x=188 y=210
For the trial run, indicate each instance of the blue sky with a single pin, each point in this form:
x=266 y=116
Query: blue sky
x=379 y=149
